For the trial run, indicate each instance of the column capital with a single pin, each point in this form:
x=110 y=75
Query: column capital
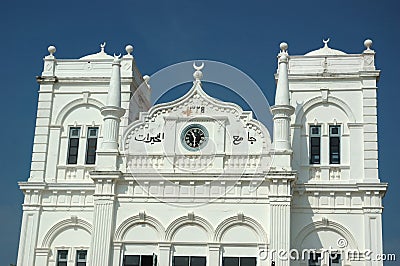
x=105 y=183
x=214 y=246
x=164 y=246
x=286 y=110
x=103 y=176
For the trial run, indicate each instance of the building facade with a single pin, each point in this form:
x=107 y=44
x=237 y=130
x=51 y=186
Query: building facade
x=198 y=181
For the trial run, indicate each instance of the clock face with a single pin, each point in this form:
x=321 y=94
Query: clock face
x=194 y=137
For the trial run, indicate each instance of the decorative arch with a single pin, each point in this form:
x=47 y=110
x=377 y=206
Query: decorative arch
x=55 y=230
x=327 y=226
x=142 y=218
x=74 y=104
x=240 y=219
x=196 y=92
x=310 y=104
x=190 y=219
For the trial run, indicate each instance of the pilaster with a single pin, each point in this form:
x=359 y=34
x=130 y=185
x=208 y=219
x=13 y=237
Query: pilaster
x=45 y=103
x=213 y=254
x=28 y=237
x=369 y=79
x=356 y=141
x=117 y=254
x=164 y=251
x=373 y=237
x=103 y=217
x=370 y=133
x=53 y=153
x=30 y=222
x=42 y=255
x=280 y=204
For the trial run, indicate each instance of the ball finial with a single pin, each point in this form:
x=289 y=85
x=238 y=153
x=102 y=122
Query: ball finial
x=129 y=49
x=283 y=46
x=51 y=49
x=146 y=78
x=198 y=75
x=368 y=44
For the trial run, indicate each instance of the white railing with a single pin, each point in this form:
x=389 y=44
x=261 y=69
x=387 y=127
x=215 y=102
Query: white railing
x=194 y=161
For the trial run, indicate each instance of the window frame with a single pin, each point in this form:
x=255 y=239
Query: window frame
x=89 y=138
x=58 y=261
x=338 y=138
x=239 y=259
x=77 y=260
x=72 y=138
x=189 y=259
x=314 y=137
x=154 y=257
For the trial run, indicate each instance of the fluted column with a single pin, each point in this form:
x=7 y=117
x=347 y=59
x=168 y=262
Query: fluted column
x=280 y=202
x=102 y=235
x=111 y=127
x=281 y=127
x=103 y=217
x=280 y=233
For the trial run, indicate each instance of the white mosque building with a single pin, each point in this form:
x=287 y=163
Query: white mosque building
x=198 y=181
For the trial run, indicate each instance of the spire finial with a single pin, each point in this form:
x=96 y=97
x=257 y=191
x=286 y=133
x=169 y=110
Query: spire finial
x=102 y=46
x=198 y=75
x=326 y=42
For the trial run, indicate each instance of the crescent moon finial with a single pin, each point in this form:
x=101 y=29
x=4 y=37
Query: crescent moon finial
x=102 y=46
x=198 y=67
x=326 y=41
x=117 y=56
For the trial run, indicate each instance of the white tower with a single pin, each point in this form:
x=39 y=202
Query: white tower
x=73 y=102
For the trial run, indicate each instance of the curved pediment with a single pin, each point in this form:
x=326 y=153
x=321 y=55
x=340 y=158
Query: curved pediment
x=230 y=136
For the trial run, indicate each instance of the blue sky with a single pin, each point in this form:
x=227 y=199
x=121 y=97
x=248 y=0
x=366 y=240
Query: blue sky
x=245 y=34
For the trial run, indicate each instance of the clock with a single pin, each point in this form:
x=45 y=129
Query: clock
x=194 y=137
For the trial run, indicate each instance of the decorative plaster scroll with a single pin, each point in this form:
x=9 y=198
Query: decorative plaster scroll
x=312 y=103
x=240 y=219
x=55 y=230
x=185 y=220
x=325 y=225
x=142 y=218
x=74 y=104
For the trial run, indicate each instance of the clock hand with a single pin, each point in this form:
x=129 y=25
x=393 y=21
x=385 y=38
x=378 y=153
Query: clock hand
x=194 y=138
